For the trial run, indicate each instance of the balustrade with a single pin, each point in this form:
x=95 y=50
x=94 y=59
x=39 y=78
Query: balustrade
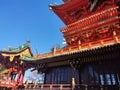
x=85 y=32
x=106 y=37
x=95 y=17
x=48 y=87
x=69 y=87
x=78 y=48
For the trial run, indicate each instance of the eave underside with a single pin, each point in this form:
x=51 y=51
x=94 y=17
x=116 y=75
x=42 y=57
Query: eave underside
x=102 y=53
x=76 y=59
x=66 y=11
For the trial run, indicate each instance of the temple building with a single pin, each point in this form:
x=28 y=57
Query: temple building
x=12 y=69
x=90 y=59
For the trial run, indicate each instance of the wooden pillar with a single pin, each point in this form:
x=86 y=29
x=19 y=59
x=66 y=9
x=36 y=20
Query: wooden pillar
x=117 y=70
x=118 y=76
x=54 y=50
x=93 y=71
x=104 y=77
x=61 y=51
x=51 y=87
x=90 y=45
x=86 y=87
x=41 y=88
x=115 y=66
x=35 y=84
x=79 y=46
x=102 y=43
x=22 y=78
x=80 y=81
x=30 y=86
x=111 y=79
x=115 y=37
x=69 y=49
x=73 y=83
x=101 y=87
x=98 y=70
x=26 y=84
x=61 y=87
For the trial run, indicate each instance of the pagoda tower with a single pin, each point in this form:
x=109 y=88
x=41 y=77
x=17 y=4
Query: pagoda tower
x=91 y=56
x=88 y=21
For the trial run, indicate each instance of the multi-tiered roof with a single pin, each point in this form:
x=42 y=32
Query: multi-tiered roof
x=71 y=10
x=86 y=23
x=92 y=33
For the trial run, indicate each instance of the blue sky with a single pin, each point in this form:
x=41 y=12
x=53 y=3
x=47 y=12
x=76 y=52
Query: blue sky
x=22 y=20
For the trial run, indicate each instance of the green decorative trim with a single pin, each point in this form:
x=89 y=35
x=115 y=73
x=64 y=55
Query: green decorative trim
x=19 y=48
x=27 y=57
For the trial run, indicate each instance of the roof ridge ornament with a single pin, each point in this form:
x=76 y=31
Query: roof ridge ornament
x=23 y=46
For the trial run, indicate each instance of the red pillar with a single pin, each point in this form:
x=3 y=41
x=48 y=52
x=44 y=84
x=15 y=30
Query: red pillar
x=19 y=75
x=22 y=78
x=8 y=76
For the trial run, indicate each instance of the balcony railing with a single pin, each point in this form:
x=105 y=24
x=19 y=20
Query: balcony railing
x=48 y=87
x=69 y=87
x=90 y=20
x=79 y=47
x=89 y=32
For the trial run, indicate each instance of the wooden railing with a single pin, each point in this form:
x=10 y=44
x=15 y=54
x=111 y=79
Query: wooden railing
x=79 y=47
x=89 y=25
x=7 y=84
x=69 y=87
x=62 y=87
x=87 y=40
x=91 y=19
x=48 y=87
